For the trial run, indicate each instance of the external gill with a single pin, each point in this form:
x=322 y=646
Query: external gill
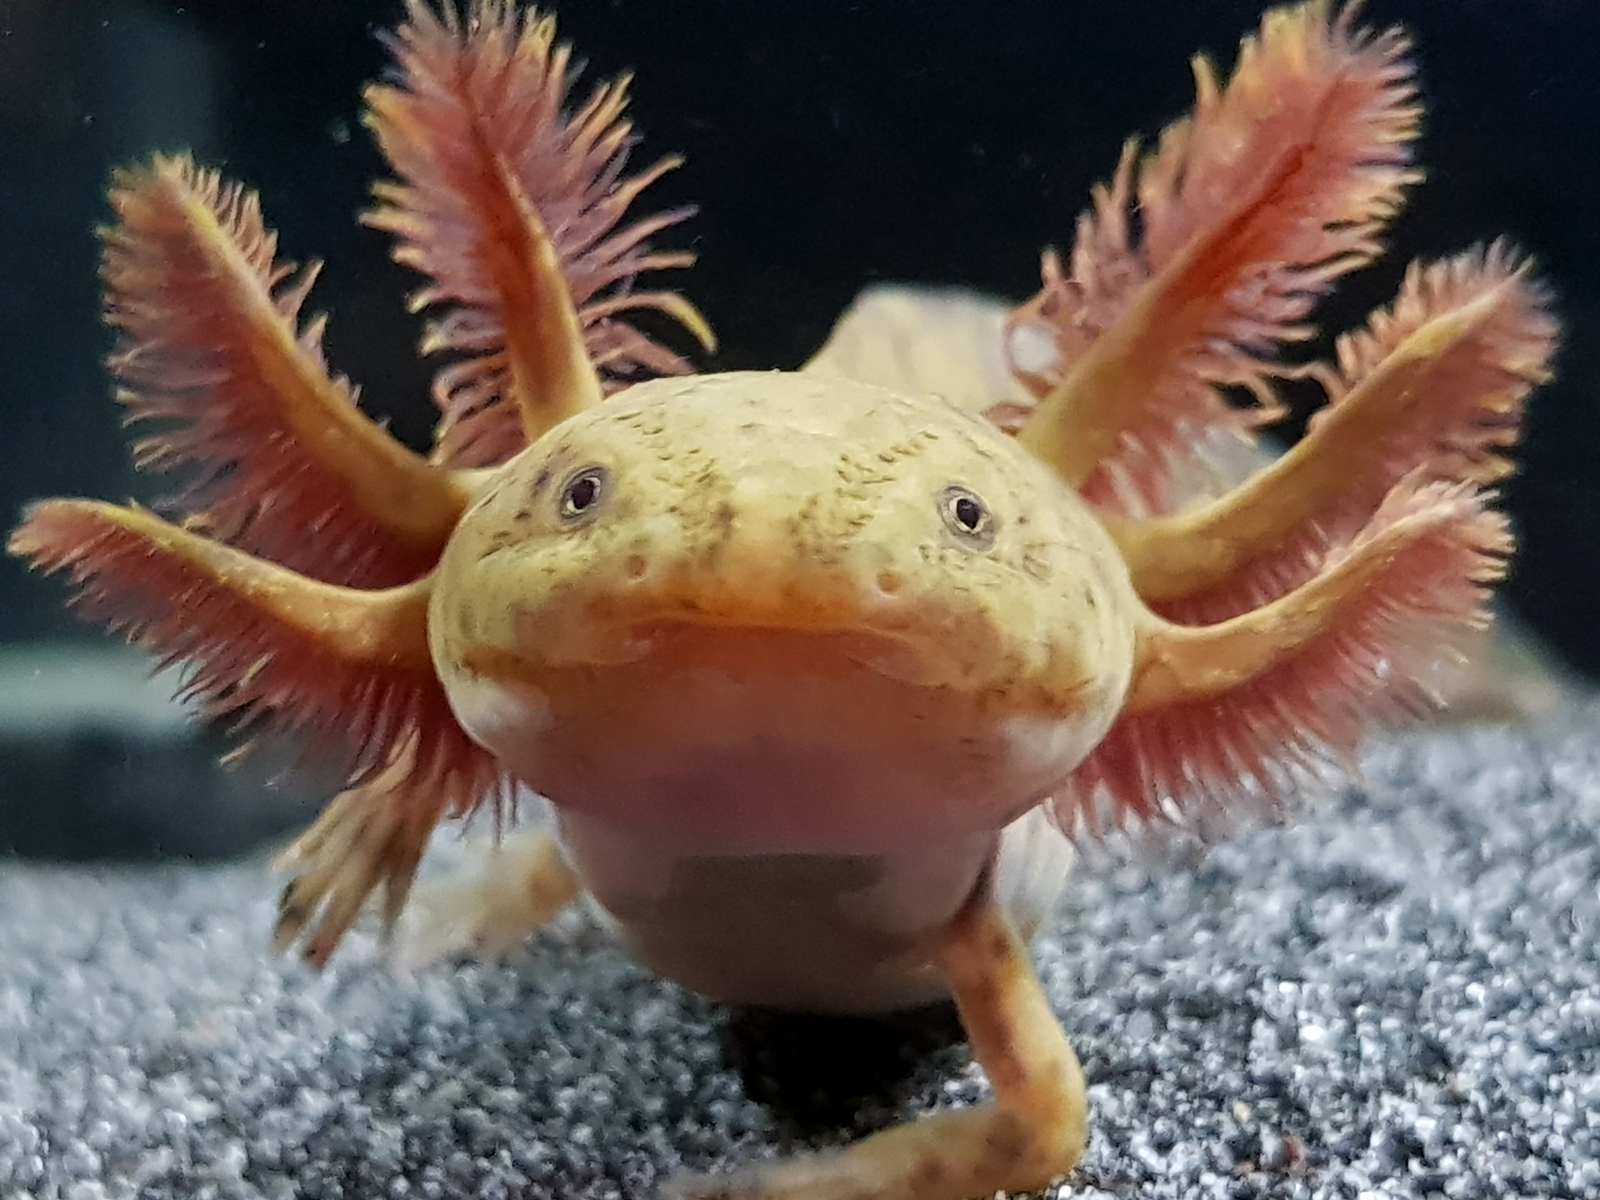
x=513 y=209
x=274 y=652
x=1227 y=720
x=1433 y=386
x=1199 y=261
x=211 y=351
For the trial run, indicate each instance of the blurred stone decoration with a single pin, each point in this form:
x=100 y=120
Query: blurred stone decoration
x=98 y=760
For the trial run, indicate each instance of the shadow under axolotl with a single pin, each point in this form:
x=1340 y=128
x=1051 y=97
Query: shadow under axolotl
x=819 y=1074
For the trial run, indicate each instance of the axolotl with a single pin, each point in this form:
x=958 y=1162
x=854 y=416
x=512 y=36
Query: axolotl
x=823 y=672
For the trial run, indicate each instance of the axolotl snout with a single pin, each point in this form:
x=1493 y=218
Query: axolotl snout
x=835 y=622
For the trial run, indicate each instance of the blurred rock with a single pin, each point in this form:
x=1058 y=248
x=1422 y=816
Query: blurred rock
x=98 y=761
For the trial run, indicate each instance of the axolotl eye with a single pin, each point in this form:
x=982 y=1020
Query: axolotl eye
x=582 y=494
x=967 y=517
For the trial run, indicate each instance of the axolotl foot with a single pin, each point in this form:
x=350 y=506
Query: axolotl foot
x=1032 y=1133
x=487 y=909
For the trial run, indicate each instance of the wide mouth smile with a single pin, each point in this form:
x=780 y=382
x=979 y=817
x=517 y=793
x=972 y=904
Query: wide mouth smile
x=939 y=647
x=683 y=639
x=892 y=652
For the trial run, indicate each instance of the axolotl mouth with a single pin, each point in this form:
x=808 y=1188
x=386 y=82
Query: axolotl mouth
x=761 y=741
x=782 y=650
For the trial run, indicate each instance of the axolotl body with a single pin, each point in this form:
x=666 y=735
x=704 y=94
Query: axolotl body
x=836 y=696
x=821 y=671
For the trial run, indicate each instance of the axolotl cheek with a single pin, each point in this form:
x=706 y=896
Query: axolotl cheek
x=492 y=712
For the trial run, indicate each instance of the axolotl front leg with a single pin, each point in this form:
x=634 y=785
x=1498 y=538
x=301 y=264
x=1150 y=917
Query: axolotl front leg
x=491 y=909
x=1031 y=1132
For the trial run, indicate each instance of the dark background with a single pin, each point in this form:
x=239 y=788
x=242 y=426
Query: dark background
x=830 y=144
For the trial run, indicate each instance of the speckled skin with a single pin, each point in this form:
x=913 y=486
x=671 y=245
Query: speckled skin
x=835 y=696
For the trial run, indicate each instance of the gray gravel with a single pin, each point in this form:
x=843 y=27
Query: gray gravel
x=1398 y=997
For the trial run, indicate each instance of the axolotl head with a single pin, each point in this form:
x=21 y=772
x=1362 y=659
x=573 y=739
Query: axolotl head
x=770 y=612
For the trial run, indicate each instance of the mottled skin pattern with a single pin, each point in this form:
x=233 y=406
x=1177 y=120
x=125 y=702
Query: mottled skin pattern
x=817 y=515
x=772 y=590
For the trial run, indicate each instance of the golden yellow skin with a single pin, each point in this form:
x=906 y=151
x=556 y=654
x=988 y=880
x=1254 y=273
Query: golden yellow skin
x=808 y=515
x=773 y=595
